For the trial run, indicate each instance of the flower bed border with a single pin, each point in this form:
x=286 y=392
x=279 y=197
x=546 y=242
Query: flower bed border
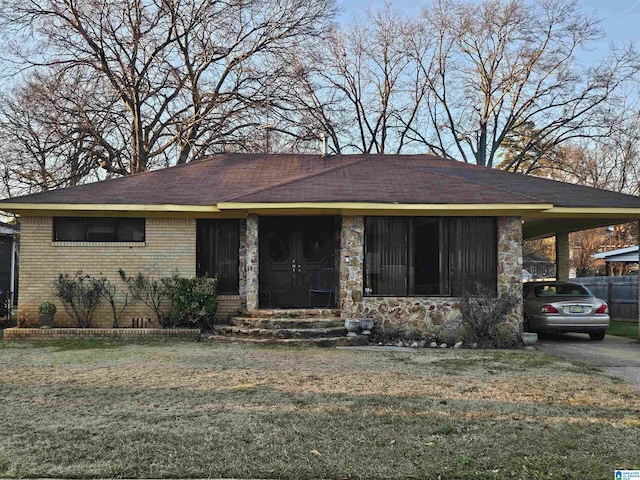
x=72 y=333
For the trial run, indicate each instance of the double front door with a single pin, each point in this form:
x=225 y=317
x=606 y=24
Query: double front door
x=292 y=252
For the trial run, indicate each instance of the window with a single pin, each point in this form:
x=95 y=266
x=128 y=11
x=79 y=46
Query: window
x=428 y=256
x=98 y=229
x=561 y=290
x=217 y=253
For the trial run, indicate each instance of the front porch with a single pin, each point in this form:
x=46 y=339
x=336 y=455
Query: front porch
x=407 y=311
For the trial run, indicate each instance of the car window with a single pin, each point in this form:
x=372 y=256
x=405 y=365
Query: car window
x=561 y=290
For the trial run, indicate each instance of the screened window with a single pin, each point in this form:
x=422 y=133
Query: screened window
x=429 y=256
x=98 y=229
x=217 y=253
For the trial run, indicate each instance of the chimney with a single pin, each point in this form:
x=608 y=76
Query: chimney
x=323 y=137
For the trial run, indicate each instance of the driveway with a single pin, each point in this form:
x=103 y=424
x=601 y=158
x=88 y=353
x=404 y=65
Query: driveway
x=618 y=356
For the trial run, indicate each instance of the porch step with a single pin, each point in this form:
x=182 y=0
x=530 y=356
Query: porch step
x=295 y=313
x=328 y=342
x=288 y=333
x=321 y=327
x=287 y=323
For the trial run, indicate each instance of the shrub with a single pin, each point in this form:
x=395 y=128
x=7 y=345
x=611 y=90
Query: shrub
x=112 y=294
x=80 y=295
x=484 y=318
x=47 y=308
x=195 y=301
x=154 y=293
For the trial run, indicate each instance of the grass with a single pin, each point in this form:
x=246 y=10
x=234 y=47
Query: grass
x=180 y=409
x=623 y=329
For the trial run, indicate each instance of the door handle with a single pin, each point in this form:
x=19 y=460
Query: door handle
x=293 y=266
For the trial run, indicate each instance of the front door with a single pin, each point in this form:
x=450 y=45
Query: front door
x=292 y=252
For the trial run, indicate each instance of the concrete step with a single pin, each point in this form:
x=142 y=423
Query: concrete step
x=329 y=342
x=295 y=313
x=276 y=323
x=283 y=332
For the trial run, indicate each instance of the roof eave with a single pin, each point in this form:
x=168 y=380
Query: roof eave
x=84 y=208
x=372 y=208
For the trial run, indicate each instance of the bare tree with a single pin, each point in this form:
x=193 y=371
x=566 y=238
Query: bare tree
x=175 y=78
x=464 y=80
x=46 y=144
x=499 y=65
x=357 y=88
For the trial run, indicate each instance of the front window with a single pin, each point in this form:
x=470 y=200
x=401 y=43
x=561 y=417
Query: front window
x=98 y=229
x=429 y=256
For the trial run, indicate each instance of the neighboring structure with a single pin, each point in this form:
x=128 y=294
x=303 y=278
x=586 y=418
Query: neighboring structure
x=9 y=235
x=619 y=261
x=403 y=233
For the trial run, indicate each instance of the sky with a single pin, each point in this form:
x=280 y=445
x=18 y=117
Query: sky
x=620 y=18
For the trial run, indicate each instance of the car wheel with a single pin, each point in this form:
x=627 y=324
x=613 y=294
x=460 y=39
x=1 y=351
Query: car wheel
x=525 y=324
x=597 y=335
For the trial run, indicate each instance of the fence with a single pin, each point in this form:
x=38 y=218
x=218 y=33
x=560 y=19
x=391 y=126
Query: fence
x=620 y=293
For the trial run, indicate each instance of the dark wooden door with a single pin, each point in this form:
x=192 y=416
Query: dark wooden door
x=292 y=252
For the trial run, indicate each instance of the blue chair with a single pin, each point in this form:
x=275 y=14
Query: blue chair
x=325 y=284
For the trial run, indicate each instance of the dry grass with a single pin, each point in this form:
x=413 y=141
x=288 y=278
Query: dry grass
x=104 y=409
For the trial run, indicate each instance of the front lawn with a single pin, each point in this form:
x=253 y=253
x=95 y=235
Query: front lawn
x=179 y=409
x=623 y=329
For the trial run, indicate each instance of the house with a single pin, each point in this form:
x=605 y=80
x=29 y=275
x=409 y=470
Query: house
x=403 y=232
x=619 y=261
x=9 y=235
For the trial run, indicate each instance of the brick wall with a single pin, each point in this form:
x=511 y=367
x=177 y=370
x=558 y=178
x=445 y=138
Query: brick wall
x=170 y=246
x=228 y=306
x=562 y=256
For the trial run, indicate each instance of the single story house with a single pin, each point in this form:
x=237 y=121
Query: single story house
x=402 y=233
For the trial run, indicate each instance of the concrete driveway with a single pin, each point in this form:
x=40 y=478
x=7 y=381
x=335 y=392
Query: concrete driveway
x=617 y=356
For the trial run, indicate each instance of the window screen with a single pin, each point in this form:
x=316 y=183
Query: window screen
x=429 y=256
x=217 y=253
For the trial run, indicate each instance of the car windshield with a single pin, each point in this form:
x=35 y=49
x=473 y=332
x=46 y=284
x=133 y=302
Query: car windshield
x=567 y=290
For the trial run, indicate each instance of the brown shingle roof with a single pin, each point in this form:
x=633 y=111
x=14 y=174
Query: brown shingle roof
x=263 y=178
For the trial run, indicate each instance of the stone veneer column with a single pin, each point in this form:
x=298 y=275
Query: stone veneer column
x=351 y=270
x=562 y=256
x=251 y=255
x=242 y=265
x=510 y=262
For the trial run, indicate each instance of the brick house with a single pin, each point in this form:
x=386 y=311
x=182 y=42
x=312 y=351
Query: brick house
x=402 y=233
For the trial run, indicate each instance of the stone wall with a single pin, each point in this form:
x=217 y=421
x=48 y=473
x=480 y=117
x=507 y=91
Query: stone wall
x=170 y=246
x=510 y=263
x=251 y=262
x=351 y=266
x=424 y=314
x=242 y=266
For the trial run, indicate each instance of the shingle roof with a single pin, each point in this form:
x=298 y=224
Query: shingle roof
x=264 y=178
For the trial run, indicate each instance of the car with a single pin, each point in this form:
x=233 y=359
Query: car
x=564 y=307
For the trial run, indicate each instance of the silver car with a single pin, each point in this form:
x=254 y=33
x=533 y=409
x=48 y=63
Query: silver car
x=564 y=307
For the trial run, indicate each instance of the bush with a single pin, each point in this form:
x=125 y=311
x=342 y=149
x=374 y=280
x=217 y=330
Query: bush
x=485 y=318
x=115 y=297
x=155 y=294
x=47 y=308
x=195 y=301
x=80 y=295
